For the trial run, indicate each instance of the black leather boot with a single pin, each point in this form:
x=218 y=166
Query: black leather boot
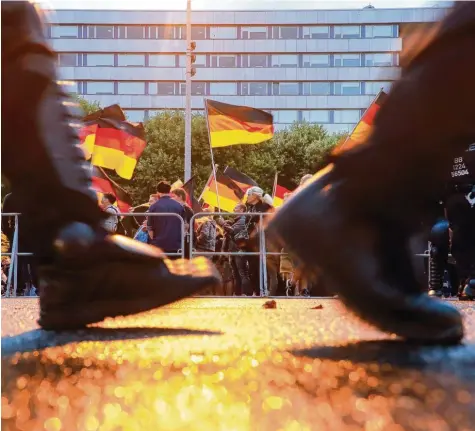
x=354 y=222
x=85 y=274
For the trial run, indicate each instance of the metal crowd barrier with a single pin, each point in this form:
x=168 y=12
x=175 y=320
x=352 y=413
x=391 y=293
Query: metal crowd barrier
x=14 y=254
x=262 y=253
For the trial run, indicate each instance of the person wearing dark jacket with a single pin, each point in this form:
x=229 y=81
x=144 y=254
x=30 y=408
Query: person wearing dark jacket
x=258 y=202
x=180 y=196
x=240 y=264
x=165 y=232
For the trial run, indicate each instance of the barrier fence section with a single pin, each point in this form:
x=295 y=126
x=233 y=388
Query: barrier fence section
x=15 y=253
x=262 y=253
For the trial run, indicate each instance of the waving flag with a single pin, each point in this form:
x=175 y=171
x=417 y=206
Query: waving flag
x=234 y=125
x=102 y=184
x=230 y=194
x=111 y=142
x=243 y=181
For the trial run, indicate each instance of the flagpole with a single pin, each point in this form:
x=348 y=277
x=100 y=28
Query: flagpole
x=275 y=185
x=212 y=155
x=364 y=113
x=206 y=185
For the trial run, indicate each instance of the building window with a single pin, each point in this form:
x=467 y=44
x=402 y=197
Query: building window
x=64 y=31
x=377 y=31
x=100 y=31
x=346 y=116
x=254 y=60
x=161 y=60
x=285 y=60
x=131 y=60
x=285 y=32
x=162 y=88
x=131 y=32
x=254 y=33
x=316 y=32
x=197 y=32
x=197 y=88
x=347 y=31
x=223 y=33
x=104 y=87
x=347 y=60
x=68 y=60
x=223 y=60
x=316 y=60
x=347 y=88
x=223 y=89
x=200 y=60
x=131 y=88
x=285 y=89
x=285 y=117
x=316 y=88
x=100 y=59
x=318 y=116
x=254 y=88
x=382 y=59
x=373 y=88
x=135 y=115
x=163 y=32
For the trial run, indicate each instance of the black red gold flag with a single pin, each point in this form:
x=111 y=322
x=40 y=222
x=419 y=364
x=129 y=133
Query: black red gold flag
x=234 y=125
x=360 y=133
x=230 y=194
x=102 y=184
x=117 y=143
x=242 y=180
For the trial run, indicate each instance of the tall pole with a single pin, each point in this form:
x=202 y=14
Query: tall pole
x=188 y=94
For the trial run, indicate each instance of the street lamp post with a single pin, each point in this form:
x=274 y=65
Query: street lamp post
x=188 y=93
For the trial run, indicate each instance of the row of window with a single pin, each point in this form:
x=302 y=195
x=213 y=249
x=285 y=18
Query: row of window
x=222 y=32
x=384 y=59
x=318 y=116
x=168 y=88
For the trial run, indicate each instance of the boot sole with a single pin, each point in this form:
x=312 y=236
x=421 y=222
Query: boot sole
x=417 y=318
x=80 y=315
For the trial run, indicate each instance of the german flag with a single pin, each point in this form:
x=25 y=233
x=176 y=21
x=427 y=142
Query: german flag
x=364 y=127
x=102 y=184
x=234 y=125
x=230 y=194
x=279 y=195
x=243 y=181
x=118 y=144
x=192 y=202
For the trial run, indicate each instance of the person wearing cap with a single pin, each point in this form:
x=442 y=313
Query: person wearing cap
x=258 y=202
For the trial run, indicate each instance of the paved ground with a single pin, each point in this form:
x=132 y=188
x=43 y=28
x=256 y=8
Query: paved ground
x=229 y=364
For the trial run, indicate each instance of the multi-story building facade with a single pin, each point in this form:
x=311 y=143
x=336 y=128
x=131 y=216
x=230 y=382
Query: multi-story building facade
x=322 y=66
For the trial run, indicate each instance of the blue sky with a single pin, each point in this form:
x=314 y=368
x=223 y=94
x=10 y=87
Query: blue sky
x=234 y=4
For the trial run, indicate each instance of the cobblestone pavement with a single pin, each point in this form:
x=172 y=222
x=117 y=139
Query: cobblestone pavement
x=229 y=364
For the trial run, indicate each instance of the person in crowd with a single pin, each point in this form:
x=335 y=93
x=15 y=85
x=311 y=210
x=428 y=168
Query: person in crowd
x=107 y=204
x=259 y=202
x=206 y=233
x=165 y=231
x=287 y=269
x=181 y=197
x=27 y=265
x=239 y=264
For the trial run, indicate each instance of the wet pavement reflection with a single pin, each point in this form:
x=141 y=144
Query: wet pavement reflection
x=231 y=364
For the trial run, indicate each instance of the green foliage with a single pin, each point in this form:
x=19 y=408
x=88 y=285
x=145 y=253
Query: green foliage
x=293 y=153
x=86 y=106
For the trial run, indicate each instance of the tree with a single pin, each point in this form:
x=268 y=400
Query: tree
x=86 y=106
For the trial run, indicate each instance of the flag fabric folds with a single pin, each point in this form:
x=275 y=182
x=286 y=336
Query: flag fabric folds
x=102 y=184
x=111 y=142
x=192 y=202
x=234 y=125
x=279 y=195
x=230 y=194
x=178 y=184
x=364 y=127
x=243 y=181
